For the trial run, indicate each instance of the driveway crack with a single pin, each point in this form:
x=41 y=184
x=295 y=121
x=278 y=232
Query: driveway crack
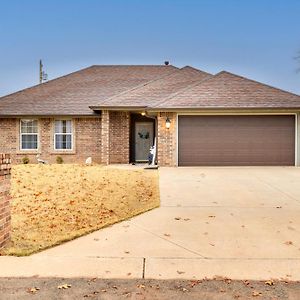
x=170 y=242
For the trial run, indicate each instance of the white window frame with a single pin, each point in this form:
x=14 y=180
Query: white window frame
x=21 y=134
x=71 y=134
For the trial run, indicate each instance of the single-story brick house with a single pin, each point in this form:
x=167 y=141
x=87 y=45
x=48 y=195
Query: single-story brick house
x=115 y=113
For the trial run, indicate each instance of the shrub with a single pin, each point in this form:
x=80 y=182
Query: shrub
x=59 y=160
x=25 y=160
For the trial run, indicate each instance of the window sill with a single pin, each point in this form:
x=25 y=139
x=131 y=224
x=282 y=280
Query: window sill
x=28 y=152
x=57 y=152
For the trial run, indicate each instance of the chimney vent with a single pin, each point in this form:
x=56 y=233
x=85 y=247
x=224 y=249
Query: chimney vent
x=167 y=62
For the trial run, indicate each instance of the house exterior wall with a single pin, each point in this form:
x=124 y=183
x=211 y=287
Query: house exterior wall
x=167 y=139
x=4 y=199
x=119 y=132
x=86 y=141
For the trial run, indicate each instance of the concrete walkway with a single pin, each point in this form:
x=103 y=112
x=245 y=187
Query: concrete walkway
x=241 y=223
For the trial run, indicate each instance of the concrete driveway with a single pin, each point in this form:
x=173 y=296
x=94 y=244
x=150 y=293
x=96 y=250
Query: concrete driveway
x=242 y=223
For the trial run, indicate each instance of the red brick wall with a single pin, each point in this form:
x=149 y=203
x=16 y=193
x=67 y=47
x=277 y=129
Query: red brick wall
x=86 y=133
x=166 y=140
x=119 y=128
x=105 y=137
x=4 y=199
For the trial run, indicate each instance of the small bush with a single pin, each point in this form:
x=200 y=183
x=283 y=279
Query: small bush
x=59 y=160
x=25 y=160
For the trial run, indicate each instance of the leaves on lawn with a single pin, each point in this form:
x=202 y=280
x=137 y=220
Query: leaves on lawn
x=56 y=203
x=269 y=282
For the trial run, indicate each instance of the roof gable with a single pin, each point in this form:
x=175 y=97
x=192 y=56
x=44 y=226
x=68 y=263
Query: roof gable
x=227 y=90
x=155 y=91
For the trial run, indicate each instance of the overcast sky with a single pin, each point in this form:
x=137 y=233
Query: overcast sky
x=258 y=39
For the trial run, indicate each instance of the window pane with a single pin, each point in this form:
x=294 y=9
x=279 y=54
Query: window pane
x=29 y=141
x=63 y=126
x=29 y=126
x=63 y=141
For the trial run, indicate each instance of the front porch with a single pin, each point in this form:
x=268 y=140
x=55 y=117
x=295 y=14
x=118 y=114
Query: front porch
x=126 y=137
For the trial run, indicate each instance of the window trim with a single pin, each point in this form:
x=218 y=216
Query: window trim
x=55 y=134
x=21 y=134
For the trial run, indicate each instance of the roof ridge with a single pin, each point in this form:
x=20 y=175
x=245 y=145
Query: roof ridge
x=150 y=65
x=199 y=70
x=45 y=83
x=255 y=81
x=141 y=85
x=186 y=88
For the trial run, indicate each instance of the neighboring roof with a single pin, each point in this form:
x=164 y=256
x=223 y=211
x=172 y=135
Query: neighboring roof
x=227 y=90
x=74 y=93
x=153 y=92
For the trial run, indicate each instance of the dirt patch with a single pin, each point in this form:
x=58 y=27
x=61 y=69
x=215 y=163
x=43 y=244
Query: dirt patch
x=58 y=288
x=56 y=203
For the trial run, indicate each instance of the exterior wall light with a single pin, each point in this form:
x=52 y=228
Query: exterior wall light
x=143 y=113
x=168 y=123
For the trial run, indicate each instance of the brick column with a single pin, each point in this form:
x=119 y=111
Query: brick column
x=166 y=140
x=4 y=199
x=105 y=137
x=119 y=132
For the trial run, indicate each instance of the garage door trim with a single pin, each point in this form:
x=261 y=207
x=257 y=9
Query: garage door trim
x=236 y=114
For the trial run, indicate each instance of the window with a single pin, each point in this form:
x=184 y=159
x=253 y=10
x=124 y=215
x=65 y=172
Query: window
x=63 y=135
x=29 y=134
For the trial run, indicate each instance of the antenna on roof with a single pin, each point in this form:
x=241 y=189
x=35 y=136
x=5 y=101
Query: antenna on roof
x=43 y=75
x=167 y=63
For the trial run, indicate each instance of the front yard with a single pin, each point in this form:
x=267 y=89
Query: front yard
x=56 y=203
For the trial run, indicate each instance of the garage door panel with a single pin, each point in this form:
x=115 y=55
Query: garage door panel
x=236 y=140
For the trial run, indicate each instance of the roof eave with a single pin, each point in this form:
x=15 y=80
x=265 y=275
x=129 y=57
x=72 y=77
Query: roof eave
x=118 y=108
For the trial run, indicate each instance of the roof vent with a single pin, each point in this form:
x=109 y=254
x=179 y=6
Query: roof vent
x=167 y=63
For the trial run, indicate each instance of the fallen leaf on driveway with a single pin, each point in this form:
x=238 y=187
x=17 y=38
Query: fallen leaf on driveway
x=64 y=286
x=256 y=294
x=278 y=206
x=167 y=234
x=177 y=218
x=33 y=290
x=212 y=244
x=186 y=219
x=211 y=216
x=127 y=252
x=180 y=272
x=288 y=243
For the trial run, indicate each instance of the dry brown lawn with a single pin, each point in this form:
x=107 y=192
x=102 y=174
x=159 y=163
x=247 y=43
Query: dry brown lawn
x=56 y=203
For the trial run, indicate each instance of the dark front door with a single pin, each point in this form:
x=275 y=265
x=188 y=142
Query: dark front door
x=143 y=140
x=236 y=140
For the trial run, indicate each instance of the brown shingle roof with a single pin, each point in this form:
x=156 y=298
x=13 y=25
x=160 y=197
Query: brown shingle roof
x=157 y=87
x=74 y=93
x=153 y=92
x=227 y=90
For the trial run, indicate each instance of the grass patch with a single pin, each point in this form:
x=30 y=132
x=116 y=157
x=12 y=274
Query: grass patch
x=52 y=204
